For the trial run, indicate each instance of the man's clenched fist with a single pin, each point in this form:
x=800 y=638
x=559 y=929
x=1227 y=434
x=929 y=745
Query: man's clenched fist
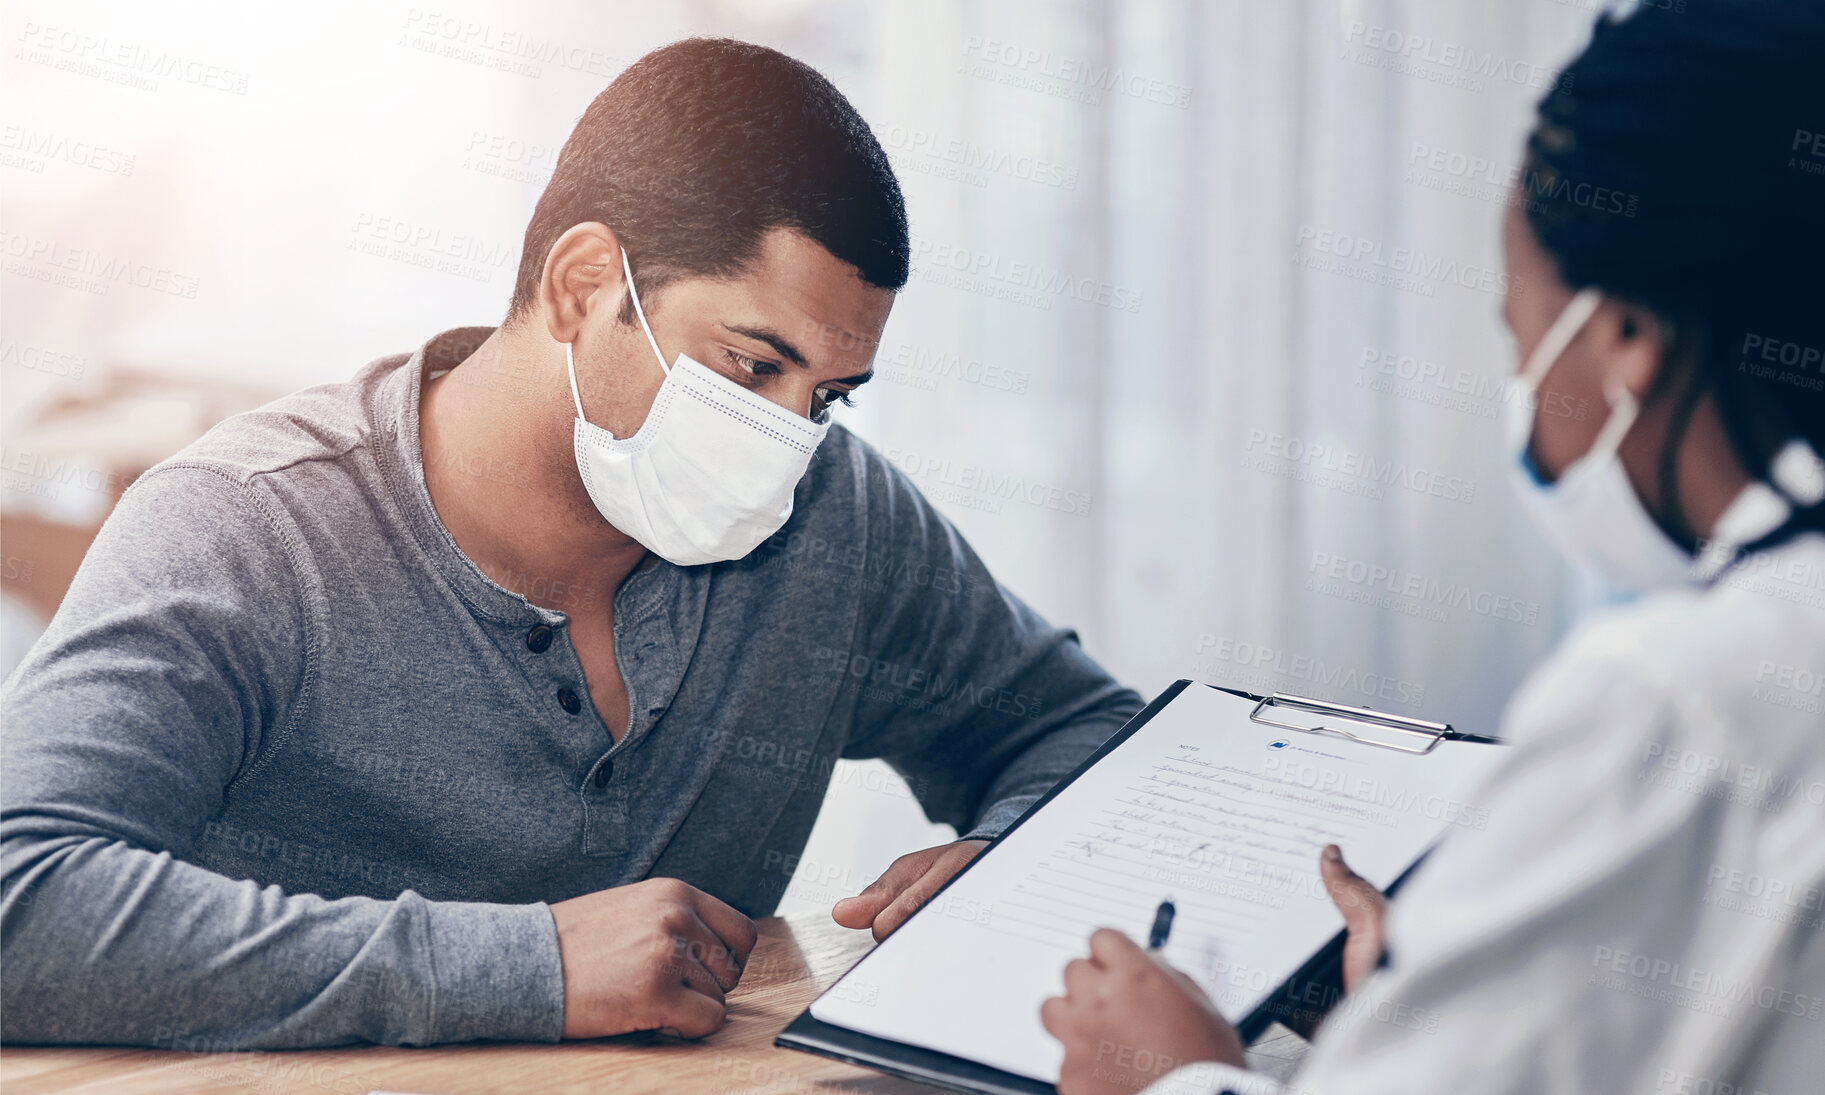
x=656 y=955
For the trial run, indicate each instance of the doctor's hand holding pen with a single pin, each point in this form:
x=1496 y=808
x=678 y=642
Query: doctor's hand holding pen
x=1128 y=1017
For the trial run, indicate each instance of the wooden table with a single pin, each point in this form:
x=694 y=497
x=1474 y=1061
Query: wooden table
x=796 y=959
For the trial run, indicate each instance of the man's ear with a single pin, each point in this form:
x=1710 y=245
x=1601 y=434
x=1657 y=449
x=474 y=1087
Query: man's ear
x=1632 y=344
x=582 y=273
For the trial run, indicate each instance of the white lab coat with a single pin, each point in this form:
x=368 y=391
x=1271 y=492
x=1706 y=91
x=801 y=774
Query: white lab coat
x=1644 y=911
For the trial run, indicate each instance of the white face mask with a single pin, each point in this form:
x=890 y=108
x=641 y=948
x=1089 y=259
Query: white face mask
x=709 y=474
x=1591 y=512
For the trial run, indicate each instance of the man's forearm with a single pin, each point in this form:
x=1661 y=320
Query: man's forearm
x=110 y=943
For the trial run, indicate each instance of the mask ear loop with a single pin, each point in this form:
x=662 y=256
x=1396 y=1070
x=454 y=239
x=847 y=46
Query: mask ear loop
x=628 y=269
x=1624 y=409
x=1572 y=320
x=570 y=357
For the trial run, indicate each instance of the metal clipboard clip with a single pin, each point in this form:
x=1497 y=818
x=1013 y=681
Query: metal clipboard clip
x=1431 y=733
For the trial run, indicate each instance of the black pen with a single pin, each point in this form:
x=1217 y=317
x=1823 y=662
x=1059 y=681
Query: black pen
x=1162 y=925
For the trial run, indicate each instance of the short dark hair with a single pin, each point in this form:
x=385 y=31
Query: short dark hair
x=1662 y=170
x=702 y=147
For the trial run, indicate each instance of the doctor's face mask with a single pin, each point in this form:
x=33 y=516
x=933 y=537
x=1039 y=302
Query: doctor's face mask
x=1591 y=512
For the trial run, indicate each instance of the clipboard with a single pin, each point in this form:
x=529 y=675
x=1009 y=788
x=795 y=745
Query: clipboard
x=1281 y=710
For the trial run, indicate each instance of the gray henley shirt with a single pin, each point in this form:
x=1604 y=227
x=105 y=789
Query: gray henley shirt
x=287 y=769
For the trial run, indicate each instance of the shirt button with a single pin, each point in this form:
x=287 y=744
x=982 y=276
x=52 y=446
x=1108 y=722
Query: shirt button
x=538 y=640
x=568 y=701
x=605 y=773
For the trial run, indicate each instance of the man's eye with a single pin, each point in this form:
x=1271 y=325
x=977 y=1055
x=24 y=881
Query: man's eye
x=827 y=396
x=749 y=365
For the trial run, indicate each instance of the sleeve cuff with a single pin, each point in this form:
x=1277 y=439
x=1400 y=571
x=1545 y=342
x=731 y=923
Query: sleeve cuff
x=1211 y=1078
x=496 y=973
x=996 y=819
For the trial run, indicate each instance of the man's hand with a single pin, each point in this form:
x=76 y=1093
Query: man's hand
x=656 y=955
x=912 y=878
x=1127 y=1018
x=1364 y=909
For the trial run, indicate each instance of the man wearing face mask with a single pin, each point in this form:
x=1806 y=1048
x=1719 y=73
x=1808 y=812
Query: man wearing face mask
x=489 y=694
x=1643 y=910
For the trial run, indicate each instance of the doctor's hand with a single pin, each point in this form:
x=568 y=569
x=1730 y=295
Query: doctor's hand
x=1127 y=1018
x=905 y=885
x=1364 y=911
x=654 y=955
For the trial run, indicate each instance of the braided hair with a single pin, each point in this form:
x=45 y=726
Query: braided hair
x=1679 y=163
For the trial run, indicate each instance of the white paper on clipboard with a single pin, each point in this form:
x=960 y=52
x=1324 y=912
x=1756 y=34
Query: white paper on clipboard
x=1224 y=815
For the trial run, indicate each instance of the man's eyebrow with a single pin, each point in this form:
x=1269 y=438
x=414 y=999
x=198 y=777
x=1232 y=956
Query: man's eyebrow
x=791 y=352
x=771 y=338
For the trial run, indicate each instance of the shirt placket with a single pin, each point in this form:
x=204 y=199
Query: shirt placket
x=642 y=656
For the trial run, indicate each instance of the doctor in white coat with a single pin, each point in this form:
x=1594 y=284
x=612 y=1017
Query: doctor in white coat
x=1646 y=910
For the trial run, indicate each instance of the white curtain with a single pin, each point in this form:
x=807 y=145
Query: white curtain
x=1202 y=349
x=1282 y=397
x=1287 y=416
